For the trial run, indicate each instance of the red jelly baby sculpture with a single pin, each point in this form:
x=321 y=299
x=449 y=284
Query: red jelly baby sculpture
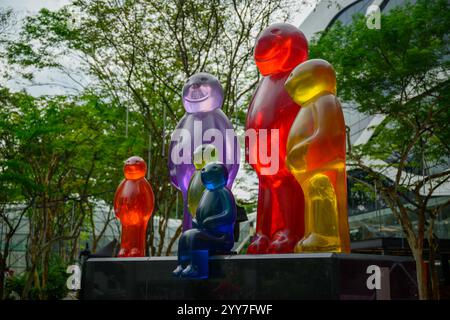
x=280 y=222
x=133 y=205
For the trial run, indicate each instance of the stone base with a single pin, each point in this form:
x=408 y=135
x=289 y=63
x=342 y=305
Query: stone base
x=282 y=276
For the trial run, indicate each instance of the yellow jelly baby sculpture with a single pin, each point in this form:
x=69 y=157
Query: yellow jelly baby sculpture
x=316 y=157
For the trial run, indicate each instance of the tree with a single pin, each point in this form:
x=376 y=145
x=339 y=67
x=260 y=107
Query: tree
x=11 y=212
x=401 y=72
x=59 y=153
x=139 y=53
x=10 y=192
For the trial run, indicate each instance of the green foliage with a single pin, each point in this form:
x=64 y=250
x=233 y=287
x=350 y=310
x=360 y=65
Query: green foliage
x=15 y=284
x=55 y=144
x=55 y=289
x=59 y=152
x=402 y=71
x=374 y=66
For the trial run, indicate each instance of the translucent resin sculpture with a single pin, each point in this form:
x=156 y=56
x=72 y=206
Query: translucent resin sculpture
x=133 y=206
x=213 y=227
x=203 y=123
x=278 y=49
x=316 y=157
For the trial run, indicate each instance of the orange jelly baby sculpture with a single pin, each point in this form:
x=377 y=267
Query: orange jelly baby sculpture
x=278 y=50
x=316 y=157
x=133 y=205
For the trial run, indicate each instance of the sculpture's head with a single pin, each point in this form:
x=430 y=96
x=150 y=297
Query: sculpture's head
x=134 y=168
x=203 y=155
x=279 y=48
x=214 y=175
x=309 y=79
x=202 y=92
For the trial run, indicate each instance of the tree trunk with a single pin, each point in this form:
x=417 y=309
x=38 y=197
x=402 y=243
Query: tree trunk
x=28 y=282
x=44 y=276
x=74 y=250
x=162 y=227
x=422 y=277
x=2 y=275
x=3 y=259
x=434 y=294
x=31 y=273
x=37 y=282
x=174 y=239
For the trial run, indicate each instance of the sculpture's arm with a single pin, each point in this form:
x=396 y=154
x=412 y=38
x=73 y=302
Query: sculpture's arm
x=120 y=203
x=175 y=141
x=301 y=147
x=218 y=219
x=329 y=119
x=328 y=122
x=123 y=205
x=297 y=154
x=118 y=208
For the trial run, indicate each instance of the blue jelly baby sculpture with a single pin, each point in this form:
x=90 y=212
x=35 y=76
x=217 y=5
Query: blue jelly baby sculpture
x=203 y=123
x=213 y=227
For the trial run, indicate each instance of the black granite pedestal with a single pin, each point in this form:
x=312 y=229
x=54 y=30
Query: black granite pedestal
x=282 y=276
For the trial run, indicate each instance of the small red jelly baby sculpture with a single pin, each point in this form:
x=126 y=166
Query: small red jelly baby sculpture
x=133 y=205
x=278 y=50
x=316 y=157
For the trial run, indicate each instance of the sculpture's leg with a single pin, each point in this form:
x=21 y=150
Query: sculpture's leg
x=287 y=214
x=321 y=215
x=184 y=255
x=199 y=244
x=128 y=239
x=261 y=240
x=202 y=240
x=341 y=195
x=187 y=218
x=138 y=247
x=199 y=266
x=124 y=242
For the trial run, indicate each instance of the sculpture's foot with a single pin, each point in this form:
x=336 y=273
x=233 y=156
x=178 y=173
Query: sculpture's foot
x=315 y=242
x=190 y=271
x=178 y=270
x=123 y=253
x=135 y=252
x=282 y=243
x=259 y=244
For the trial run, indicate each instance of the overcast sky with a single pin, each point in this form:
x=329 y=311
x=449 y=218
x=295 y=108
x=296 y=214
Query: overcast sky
x=33 y=6
x=58 y=81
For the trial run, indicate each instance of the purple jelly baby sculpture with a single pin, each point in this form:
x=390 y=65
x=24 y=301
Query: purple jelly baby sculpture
x=203 y=123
